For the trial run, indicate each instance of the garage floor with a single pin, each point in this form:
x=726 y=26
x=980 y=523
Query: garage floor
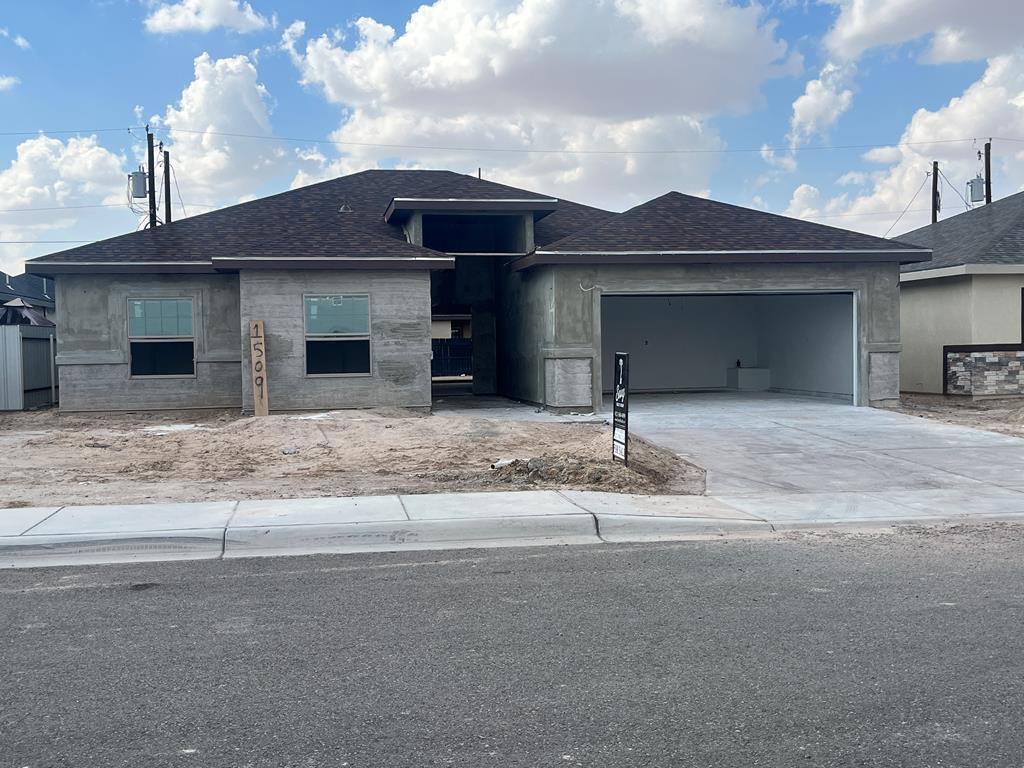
x=807 y=458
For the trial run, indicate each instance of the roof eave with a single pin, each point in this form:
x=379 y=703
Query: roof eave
x=903 y=256
x=51 y=268
x=335 y=262
x=958 y=270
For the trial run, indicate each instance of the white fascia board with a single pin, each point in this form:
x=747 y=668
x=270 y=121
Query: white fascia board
x=729 y=253
x=286 y=259
x=119 y=263
x=474 y=200
x=960 y=270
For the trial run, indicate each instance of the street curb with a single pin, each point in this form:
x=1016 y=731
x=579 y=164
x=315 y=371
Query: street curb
x=581 y=526
x=639 y=528
x=30 y=551
x=455 y=533
x=862 y=524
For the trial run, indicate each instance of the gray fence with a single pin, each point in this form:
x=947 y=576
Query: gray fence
x=27 y=368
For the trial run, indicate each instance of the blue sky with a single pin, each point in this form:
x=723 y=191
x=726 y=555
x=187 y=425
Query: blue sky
x=610 y=91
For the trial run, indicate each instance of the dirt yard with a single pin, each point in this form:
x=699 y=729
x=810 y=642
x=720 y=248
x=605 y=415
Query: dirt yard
x=51 y=459
x=1005 y=416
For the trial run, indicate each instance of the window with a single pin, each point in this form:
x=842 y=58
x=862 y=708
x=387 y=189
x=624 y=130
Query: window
x=161 y=340
x=337 y=335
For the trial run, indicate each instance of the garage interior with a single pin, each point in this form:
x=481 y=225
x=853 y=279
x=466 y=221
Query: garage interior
x=796 y=343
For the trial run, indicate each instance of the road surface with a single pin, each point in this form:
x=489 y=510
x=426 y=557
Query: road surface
x=805 y=650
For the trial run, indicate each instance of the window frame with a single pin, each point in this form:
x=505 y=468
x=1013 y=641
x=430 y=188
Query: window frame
x=367 y=337
x=159 y=339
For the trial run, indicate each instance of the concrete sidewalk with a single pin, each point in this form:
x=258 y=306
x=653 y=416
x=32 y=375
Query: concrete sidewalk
x=110 y=534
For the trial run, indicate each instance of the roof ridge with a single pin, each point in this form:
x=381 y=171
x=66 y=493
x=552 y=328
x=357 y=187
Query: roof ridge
x=695 y=210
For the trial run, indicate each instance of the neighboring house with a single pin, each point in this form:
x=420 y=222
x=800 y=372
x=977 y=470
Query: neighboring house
x=348 y=275
x=37 y=291
x=27 y=371
x=26 y=347
x=962 y=318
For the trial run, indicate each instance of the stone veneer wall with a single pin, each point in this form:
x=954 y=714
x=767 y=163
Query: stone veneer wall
x=985 y=373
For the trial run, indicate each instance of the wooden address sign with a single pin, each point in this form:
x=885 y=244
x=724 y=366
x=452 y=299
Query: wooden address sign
x=258 y=358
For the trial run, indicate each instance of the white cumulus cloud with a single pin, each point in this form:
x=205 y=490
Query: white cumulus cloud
x=50 y=173
x=7 y=82
x=224 y=97
x=18 y=40
x=953 y=29
x=992 y=106
x=547 y=74
x=204 y=15
x=822 y=103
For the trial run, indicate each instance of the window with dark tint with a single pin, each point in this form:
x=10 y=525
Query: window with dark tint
x=337 y=356
x=474 y=233
x=161 y=340
x=337 y=334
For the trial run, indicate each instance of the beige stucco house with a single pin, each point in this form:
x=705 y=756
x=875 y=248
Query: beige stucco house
x=961 y=316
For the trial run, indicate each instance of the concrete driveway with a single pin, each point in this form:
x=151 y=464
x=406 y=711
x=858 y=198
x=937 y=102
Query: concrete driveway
x=803 y=459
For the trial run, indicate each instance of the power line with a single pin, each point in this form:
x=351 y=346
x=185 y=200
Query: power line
x=178 y=190
x=868 y=213
x=523 y=150
x=548 y=151
x=92 y=205
x=966 y=204
x=908 y=205
x=123 y=129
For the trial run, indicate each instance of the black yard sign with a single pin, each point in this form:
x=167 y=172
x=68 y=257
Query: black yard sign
x=620 y=409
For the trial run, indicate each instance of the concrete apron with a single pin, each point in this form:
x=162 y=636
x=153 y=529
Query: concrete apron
x=35 y=537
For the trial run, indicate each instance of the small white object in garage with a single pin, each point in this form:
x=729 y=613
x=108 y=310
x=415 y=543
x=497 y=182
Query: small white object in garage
x=748 y=379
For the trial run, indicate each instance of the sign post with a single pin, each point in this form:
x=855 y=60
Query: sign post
x=620 y=409
x=258 y=359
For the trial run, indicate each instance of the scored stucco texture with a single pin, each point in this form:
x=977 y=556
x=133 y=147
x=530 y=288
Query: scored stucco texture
x=399 y=338
x=567 y=382
x=93 y=349
x=883 y=376
x=985 y=374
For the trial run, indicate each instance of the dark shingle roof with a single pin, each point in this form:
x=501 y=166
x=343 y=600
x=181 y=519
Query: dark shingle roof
x=678 y=222
x=991 y=234
x=307 y=221
x=569 y=217
x=32 y=288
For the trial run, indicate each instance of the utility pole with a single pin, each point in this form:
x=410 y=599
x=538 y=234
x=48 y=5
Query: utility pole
x=988 y=172
x=152 y=180
x=167 y=187
x=935 y=191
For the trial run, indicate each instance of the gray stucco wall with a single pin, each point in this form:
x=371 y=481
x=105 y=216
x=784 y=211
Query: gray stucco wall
x=92 y=343
x=807 y=342
x=678 y=342
x=399 y=338
x=568 y=327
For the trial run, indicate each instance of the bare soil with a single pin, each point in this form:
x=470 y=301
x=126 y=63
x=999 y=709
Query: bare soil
x=52 y=459
x=1005 y=416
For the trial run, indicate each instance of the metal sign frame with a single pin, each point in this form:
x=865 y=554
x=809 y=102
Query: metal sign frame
x=620 y=409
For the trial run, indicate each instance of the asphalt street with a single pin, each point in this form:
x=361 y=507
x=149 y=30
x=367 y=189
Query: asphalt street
x=804 y=650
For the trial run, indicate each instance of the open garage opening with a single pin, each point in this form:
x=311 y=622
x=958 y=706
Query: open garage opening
x=796 y=343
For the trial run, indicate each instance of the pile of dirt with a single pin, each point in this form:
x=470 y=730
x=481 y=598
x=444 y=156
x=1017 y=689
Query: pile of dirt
x=53 y=459
x=1005 y=416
